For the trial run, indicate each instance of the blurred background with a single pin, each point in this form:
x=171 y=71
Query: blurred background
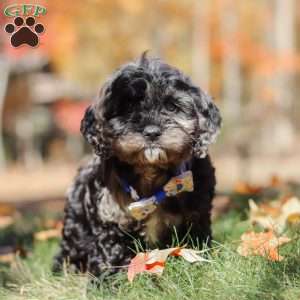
x=246 y=54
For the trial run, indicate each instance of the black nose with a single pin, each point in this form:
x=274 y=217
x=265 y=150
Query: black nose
x=152 y=132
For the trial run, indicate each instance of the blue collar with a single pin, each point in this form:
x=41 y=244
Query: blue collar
x=142 y=207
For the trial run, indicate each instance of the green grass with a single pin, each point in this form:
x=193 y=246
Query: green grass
x=227 y=276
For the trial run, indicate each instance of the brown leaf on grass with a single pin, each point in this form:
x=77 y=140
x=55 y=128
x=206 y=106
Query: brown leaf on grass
x=191 y=255
x=150 y=262
x=275 y=215
x=291 y=210
x=7 y=209
x=276 y=181
x=9 y=254
x=293 y=218
x=47 y=234
x=52 y=223
x=265 y=215
x=5 y=221
x=160 y=255
x=137 y=265
x=7 y=258
x=154 y=261
x=51 y=233
x=245 y=188
x=7 y=215
x=262 y=244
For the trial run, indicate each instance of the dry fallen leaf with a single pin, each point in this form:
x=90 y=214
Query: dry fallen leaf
x=263 y=244
x=276 y=181
x=8 y=254
x=54 y=232
x=51 y=223
x=7 y=209
x=7 y=258
x=5 y=221
x=266 y=215
x=7 y=215
x=276 y=214
x=137 y=265
x=159 y=255
x=154 y=261
x=245 y=188
x=191 y=255
x=150 y=262
x=293 y=218
x=291 y=210
x=47 y=234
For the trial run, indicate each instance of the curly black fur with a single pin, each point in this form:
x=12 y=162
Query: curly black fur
x=147 y=121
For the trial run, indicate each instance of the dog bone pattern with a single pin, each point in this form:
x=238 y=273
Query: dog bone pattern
x=178 y=184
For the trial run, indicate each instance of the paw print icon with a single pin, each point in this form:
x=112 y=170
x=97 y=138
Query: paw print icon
x=24 y=32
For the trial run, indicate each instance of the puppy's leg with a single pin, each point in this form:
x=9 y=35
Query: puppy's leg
x=198 y=220
x=192 y=232
x=195 y=226
x=89 y=243
x=100 y=253
x=111 y=250
x=199 y=231
x=76 y=233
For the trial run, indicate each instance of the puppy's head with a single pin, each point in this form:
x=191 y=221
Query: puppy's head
x=150 y=113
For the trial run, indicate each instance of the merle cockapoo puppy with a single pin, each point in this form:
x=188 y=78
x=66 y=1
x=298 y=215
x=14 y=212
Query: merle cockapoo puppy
x=149 y=124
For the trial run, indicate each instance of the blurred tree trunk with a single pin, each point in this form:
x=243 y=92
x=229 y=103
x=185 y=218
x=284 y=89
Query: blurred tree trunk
x=201 y=51
x=232 y=85
x=282 y=130
x=284 y=42
x=231 y=63
x=275 y=131
x=3 y=86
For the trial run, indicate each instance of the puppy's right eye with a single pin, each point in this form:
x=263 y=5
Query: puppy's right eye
x=171 y=107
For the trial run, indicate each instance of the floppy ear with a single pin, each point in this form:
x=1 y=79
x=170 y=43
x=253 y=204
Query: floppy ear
x=208 y=125
x=92 y=130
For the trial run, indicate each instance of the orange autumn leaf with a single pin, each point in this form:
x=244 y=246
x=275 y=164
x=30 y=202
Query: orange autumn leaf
x=277 y=214
x=7 y=209
x=151 y=262
x=137 y=265
x=157 y=255
x=8 y=213
x=54 y=231
x=291 y=210
x=190 y=255
x=47 y=234
x=276 y=181
x=244 y=188
x=7 y=258
x=52 y=224
x=9 y=255
x=262 y=244
x=156 y=267
x=154 y=261
x=6 y=221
